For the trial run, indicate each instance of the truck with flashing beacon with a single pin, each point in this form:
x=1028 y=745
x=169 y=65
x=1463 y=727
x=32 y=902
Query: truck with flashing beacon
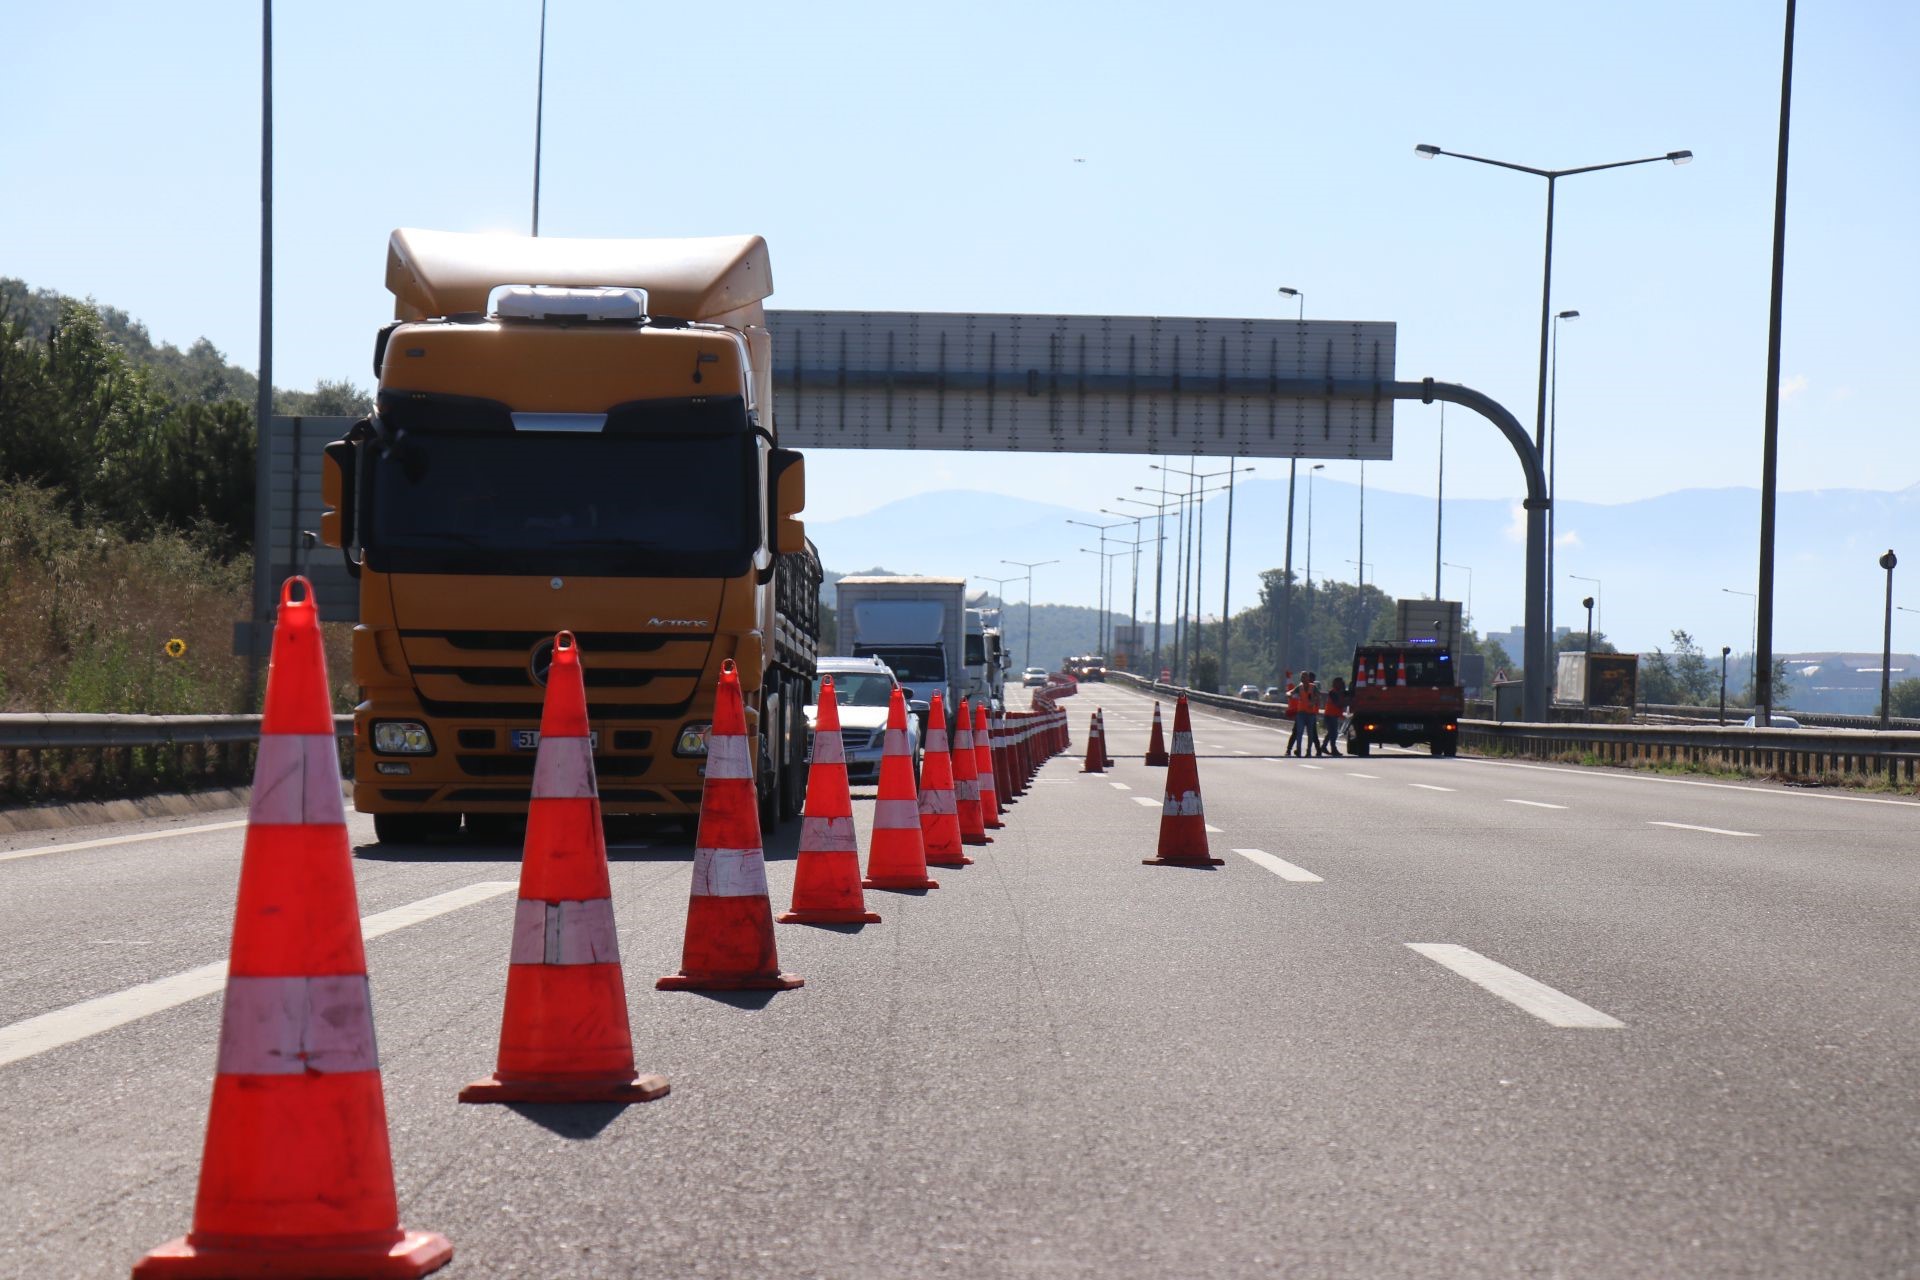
x=1408 y=692
x=578 y=435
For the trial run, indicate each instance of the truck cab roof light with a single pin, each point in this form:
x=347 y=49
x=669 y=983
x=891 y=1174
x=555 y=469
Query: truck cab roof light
x=550 y=302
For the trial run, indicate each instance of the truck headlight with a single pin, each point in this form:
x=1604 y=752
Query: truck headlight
x=402 y=738
x=692 y=740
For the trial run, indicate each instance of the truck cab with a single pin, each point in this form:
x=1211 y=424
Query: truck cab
x=1405 y=694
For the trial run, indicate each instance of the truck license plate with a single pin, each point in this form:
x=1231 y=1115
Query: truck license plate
x=529 y=740
x=1407 y=726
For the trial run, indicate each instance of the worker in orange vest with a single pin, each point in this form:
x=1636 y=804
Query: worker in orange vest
x=1333 y=711
x=1303 y=706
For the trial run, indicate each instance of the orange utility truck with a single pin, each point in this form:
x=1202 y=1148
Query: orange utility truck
x=578 y=435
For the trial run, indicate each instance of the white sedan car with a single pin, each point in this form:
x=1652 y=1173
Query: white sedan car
x=864 y=687
x=1033 y=678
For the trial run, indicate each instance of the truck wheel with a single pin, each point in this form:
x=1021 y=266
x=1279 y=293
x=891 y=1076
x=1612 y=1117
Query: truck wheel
x=1359 y=747
x=413 y=828
x=770 y=790
x=794 y=789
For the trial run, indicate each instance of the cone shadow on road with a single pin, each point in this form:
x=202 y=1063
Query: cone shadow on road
x=749 y=1000
x=578 y=1121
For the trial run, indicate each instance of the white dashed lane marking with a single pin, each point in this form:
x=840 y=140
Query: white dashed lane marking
x=1370 y=777
x=1536 y=804
x=1148 y=801
x=1712 y=831
x=1516 y=988
x=77 y=845
x=1428 y=786
x=1120 y=786
x=91 y=1017
x=1279 y=866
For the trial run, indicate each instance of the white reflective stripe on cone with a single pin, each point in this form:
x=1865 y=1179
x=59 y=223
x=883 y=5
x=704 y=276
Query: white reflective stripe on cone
x=827 y=835
x=727 y=756
x=564 y=932
x=1184 y=806
x=564 y=769
x=896 y=743
x=296 y=781
x=1183 y=744
x=289 y=1026
x=729 y=873
x=965 y=789
x=829 y=747
x=937 y=740
x=896 y=815
x=937 y=802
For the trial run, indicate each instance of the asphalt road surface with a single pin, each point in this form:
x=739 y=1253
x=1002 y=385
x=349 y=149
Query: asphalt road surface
x=1432 y=1018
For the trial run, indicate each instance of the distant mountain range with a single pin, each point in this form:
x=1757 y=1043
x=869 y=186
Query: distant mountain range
x=1664 y=563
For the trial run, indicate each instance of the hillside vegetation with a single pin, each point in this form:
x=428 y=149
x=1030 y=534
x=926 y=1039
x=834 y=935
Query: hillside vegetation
x=126 y=511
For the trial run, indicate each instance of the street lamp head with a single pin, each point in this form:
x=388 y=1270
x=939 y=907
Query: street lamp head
x=1889 y=560
x=1319 y=466
x=1680 y=157
x=1567 y=315
x=1586 y=602
x=1289 y=293
x=1426 y=151
x=1725 y=649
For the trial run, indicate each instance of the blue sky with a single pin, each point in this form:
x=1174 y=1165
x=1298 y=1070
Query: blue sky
x=923 y=158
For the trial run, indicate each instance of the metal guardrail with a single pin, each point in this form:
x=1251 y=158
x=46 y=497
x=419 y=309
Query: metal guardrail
x=58 y=757
x=1791 y=753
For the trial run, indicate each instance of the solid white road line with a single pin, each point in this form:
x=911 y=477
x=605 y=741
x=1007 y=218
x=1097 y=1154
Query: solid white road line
x=1279 y=866
x=1120 y=786
x=1537 y=998
x=1148 y=801
x=1428 y=786
x=1712 y=831
x=76 y=1022
x=37 y=851
x=1537 y=804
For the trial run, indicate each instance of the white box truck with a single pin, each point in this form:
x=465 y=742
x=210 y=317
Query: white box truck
x=917 y=626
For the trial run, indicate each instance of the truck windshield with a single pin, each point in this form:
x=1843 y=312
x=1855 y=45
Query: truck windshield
x=547 y=503
x=912 y=666
x=1425 y=668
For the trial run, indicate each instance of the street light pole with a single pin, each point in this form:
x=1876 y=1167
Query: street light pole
x=1553 y=454
x=1887 y=562
x=1603 y=605
x=1440 y=503
x=1469 y=571
x=1426 y=151
x=1101 y=645
x=1029 y=566
x=1159 y=556
x=1316 y=469
x=1753 y=654
x=1286 y=578
x=1199 y=534
x=1725 y=649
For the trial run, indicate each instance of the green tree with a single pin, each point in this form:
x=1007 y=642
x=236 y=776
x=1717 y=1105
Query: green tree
x=1905 y=697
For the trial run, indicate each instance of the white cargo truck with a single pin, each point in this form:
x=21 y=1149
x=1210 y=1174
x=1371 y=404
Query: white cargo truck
x=917 y=626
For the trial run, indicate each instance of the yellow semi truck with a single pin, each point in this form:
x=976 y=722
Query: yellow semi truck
x=570 y=434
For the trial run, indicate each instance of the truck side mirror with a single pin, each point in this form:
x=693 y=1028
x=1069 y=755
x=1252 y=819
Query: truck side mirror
x=339 y=477
x=787 y=471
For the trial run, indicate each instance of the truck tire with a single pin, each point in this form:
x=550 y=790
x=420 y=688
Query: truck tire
x=1359 y=747
x=413 y=828
x=793 y=792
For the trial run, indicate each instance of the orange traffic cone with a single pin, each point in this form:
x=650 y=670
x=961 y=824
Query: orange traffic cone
x=826 y=879
x=966 y=780
x=984 y=771
x=565 y=1037
x=729 y=940
x=1400 y=676
x=1096 y=746
x=1156 y=745
x=939 y=803
x=897 y=858
x=1183 y=824
x=296 y=1178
